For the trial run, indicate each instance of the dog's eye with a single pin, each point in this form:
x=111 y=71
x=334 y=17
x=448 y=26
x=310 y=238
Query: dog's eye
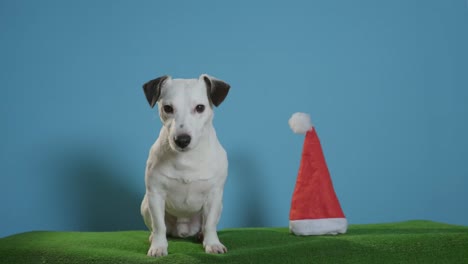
x=200 y=108
x=168 y=109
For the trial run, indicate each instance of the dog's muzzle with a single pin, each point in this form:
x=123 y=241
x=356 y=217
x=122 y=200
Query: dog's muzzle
x=182 y=141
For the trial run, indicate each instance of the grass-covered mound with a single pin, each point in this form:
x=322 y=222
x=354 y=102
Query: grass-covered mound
x=406 y=242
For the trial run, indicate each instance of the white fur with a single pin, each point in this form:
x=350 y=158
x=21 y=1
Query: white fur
x=300 y=123
x=184 y=187
x=321 y=226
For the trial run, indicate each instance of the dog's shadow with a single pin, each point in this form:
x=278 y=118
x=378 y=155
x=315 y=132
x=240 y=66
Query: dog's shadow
x=246 y=202
x=94 y=193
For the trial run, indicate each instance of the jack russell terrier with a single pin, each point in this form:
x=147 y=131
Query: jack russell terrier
x=187 y=166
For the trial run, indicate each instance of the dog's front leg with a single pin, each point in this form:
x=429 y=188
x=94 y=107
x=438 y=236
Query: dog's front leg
x=158 y=246
x=211 y=213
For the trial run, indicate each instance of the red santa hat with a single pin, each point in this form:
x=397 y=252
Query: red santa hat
x=315 y=209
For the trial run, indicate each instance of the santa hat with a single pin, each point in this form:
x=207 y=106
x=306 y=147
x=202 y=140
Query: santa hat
x=315 y=209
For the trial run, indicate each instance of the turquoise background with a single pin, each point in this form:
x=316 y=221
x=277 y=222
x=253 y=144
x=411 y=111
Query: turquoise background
x=385 y=82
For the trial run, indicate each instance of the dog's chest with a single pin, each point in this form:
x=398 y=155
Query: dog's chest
x=186 y=189
x=186 y=181
x=185 y=198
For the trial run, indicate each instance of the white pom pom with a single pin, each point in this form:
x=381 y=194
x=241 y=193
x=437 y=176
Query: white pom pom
x=300 y=123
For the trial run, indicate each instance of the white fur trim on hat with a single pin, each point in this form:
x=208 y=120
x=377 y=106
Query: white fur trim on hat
x=300 y=123
x=324 y=226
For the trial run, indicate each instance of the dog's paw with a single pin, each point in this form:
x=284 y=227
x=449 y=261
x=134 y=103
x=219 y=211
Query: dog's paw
x=216 y=248
x=157 y=251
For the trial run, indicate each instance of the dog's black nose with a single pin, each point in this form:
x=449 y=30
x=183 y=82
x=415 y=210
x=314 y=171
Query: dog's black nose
x=182 y=141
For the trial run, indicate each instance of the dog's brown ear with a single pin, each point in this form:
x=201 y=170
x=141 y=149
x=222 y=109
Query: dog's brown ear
x=217 y=90
x=152 y=89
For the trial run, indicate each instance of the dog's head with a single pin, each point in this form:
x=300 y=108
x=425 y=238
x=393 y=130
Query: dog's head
x=185 y=106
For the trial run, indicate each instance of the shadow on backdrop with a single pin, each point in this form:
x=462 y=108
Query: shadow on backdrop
x=244 y=180
x=93 y=194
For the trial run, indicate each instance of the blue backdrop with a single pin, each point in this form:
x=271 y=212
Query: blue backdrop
x=386 y=84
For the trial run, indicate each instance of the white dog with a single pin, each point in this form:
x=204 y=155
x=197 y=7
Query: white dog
x=187 y=166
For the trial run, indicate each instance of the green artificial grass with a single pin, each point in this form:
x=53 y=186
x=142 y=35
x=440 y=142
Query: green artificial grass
x=406 y=242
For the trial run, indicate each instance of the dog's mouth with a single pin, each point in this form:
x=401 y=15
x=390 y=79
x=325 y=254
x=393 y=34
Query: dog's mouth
x=178 y=149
